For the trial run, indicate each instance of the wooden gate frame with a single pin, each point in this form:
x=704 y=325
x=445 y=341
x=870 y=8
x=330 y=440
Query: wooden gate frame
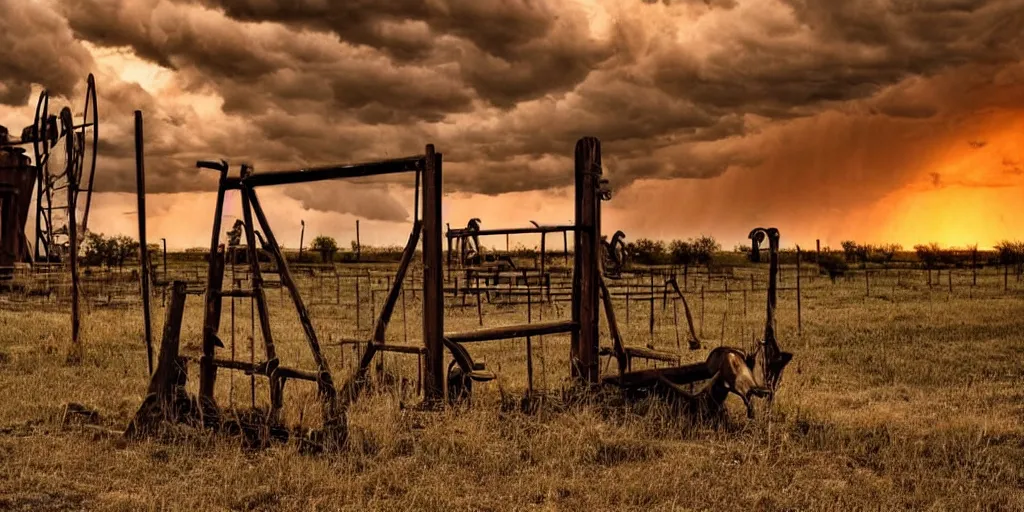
x=167 y=381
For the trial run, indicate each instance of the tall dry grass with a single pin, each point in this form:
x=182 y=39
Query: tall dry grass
x=911 y=398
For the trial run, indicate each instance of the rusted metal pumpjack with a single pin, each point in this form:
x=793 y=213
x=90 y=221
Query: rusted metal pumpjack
x=726 y=369
x=614 y=254
x=774 y=360
x=167 y=401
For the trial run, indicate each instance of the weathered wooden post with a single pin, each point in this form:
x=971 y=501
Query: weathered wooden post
x=701 y=311
x=166 y=282
x=302 y=238
x=584 y=349
x=799 y=315
x=543 y=239
x=169 y=373
x=529 y=341
x=433 y=278
x=140 y=194
x=77 y=352
x=214 y=284
x=359 y=245
x=974 y=265
x=565 y=246
x=650 y=317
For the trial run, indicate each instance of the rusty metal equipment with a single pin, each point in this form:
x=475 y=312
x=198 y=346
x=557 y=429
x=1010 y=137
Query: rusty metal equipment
x=766 y=362
x=165 y=402
x=614 y=255
x=62 y=167
x=588 y=290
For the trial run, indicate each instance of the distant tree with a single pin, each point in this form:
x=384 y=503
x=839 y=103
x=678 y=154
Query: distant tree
x=863 y=253
x=96 y=249
x=850 y=250
x=680 y=252
x=1010 y=252
x=888 y=252
x=110 y=251
x=929 y=254
x=124 y=247
x=326 y=246
x=647 y=252
x=704 y=249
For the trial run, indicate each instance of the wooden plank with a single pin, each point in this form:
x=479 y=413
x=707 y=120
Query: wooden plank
x=214 y=283
x=433 y=278
x=683 y=374
x=512 y=331
x=656 y=355
x=257 y=287
x=584 y=363
x=169 y=372
x=613 y=328
x=397 y=165
x=263 y=368
x=401 y=349
x=467 y=233
x=145 y=270
x=165 y=376
x=76 y=343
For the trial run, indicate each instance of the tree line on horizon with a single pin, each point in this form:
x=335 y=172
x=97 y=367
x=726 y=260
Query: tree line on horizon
x=114 y=251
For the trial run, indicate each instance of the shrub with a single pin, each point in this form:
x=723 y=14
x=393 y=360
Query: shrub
x=647 y=252
x=325 y=245
x=113 y=251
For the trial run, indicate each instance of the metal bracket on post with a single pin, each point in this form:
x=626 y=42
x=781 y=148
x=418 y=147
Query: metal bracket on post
x=604 y=190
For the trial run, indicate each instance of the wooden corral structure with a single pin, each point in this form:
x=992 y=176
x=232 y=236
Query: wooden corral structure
x=470 y=254
x=588 y=289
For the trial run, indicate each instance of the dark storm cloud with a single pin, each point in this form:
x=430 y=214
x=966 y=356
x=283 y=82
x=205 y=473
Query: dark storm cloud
x=507 y=51
x=371 y=202
x=257 y=66
x=840 y=51
x=37 y=47
x=505 y=88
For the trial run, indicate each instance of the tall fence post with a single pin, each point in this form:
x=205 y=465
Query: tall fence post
x=77 y=352
x=799 y=314
x=359 y=245
x=433 y=277
x=214 y=283
x=140 y=193
x=585 y=290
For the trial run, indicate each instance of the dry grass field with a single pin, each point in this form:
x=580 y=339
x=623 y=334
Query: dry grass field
x=910 y=398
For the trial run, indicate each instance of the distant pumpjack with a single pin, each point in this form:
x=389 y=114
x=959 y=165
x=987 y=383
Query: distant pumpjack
x=614 y=254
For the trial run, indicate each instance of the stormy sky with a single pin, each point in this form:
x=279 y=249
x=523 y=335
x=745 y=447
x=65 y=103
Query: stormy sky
x=882 y=121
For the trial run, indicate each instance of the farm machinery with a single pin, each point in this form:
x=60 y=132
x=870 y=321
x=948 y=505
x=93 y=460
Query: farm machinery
x=55 y=157
x=168 y=401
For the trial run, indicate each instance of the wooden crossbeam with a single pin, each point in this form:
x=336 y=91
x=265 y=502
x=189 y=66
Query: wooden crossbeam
x=512 y=331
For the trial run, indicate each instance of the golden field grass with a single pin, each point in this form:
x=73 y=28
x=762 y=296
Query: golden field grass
x=911 y=398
